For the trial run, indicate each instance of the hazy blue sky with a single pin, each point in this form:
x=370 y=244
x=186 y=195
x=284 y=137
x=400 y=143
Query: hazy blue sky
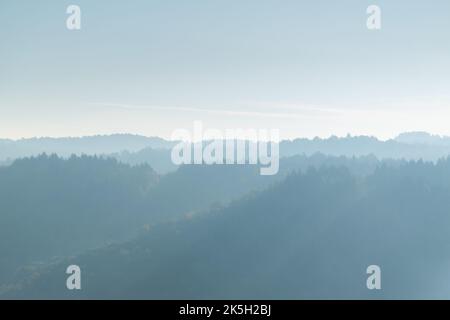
x=149 y=67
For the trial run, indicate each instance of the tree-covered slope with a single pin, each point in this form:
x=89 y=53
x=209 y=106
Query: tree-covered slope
x=311 y=236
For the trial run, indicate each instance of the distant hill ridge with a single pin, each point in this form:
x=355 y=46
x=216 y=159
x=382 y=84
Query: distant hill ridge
x=155 y=151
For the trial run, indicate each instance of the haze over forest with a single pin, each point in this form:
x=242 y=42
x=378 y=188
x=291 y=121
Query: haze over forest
x=92 y=92
x=141 y=227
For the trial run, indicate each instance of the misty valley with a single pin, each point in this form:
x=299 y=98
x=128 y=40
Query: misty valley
x=225 y=159
x=332 y=220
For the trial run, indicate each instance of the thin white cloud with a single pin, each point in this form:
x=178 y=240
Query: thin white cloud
x=300 y=112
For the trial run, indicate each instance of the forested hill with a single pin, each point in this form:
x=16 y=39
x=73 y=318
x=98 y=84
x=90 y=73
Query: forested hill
x=311 y=235
x=156 y=152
